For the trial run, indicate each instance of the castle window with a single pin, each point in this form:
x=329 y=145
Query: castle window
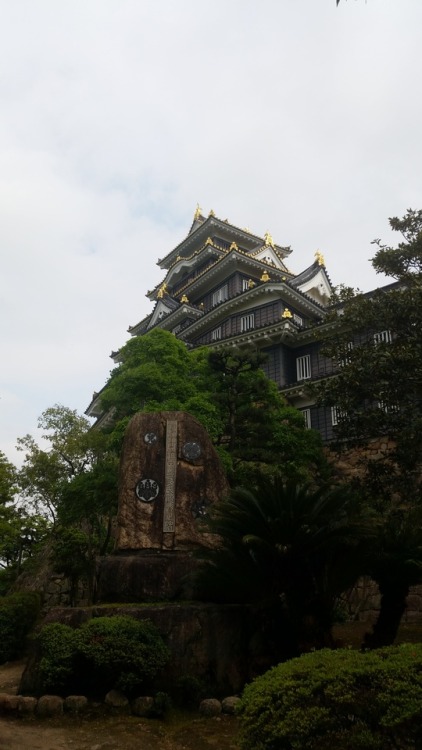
x=297 y=319
x=303 y=367
x=245 y=285
x=221 y=295
x=247 y=322
x=307 y=418
x=216 y=334
x=382 y=337
x=336 y=415
x=345 y=357
x=388 y=408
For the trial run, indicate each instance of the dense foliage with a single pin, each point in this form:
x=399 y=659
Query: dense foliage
x=247 y=419
x=18 y=614
x=337 y=699
x=21 y=532
x=377 y=391
x=72 y=484
x=104 y=653
x=291 y=551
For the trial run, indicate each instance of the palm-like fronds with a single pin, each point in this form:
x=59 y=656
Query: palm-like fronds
x=286 y=543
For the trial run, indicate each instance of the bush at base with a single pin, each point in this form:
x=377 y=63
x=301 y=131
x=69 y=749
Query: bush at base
x=18 y=614
x=105 y=653
x=329 y=700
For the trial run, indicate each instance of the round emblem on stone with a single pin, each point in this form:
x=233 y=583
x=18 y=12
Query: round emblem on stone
x=147 y=490
x=200 y=507
x=191 y=450
x=150 y=438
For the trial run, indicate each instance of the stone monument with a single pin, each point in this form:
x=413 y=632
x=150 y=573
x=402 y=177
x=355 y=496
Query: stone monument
x=170 y=476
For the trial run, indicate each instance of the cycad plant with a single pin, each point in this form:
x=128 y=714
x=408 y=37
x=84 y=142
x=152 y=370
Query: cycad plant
x=291 y=551
x=395 y=564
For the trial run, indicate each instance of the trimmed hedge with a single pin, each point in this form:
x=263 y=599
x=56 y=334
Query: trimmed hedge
x=329 y=700
x=104 y=653
x=18 y=615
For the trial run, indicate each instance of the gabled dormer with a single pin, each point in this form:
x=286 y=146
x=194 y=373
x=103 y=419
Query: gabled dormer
x=268 y=254
x=314 y=281
x=163 y=307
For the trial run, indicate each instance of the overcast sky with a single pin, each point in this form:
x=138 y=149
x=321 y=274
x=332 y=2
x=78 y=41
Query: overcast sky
x=118 y=116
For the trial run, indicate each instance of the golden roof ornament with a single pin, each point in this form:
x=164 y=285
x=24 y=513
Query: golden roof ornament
x=211 y=213
x=209 y=241
x=269 y=242
x=286 y=313
x=162 y=291
x=251 y=284
x=233 y=246
x=183 y=299
x=319 y=258
x=197 y=213
x=265 y=276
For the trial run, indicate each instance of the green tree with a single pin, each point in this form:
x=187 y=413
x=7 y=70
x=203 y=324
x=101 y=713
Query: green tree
x=259 y=431
x=73 y=482
x=20 y=532
x=74 y=450
x=377 y=391
x=291 y=551
x=247 y=419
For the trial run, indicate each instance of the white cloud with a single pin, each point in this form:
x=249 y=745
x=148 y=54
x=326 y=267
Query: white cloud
x=117 y=116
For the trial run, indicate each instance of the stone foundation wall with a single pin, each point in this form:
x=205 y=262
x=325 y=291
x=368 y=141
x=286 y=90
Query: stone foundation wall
x=219 y=645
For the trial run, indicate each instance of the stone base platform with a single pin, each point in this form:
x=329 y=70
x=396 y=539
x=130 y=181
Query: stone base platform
x=218 y=645
x=148 y=576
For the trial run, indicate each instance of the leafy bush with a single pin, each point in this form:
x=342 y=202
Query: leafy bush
x=18 y=614
x=106 y=652
x=328 y=700
x=122 y=652
x=59 y=646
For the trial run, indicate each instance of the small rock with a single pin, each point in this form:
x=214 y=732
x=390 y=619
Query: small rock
x=8 y=703
x=27 y=704
x=229 y=704
x=75 y=703
x=210 y=707
x=115 y=699
x=50 y=705
x=142 y=706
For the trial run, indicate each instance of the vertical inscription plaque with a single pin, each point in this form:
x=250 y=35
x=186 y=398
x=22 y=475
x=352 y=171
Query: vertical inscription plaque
x=169 y=519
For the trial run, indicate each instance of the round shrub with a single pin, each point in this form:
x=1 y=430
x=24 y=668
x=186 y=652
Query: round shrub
x=328 y=700
x=18 y=614
x=58 y=647
x=105 y=653
x=122 y=652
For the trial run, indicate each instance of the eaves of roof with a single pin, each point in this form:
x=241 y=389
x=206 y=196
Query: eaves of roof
x=283 y=330
x=282 y=290
x=205 y=230
x=230 y=257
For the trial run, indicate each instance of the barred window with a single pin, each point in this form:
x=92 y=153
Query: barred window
x=345 y=356
x=247 y=322
x=382 y=337
x=307 y=418
x=336 y=415
x=388 y=408
x=221 y=295
x=216 y=334
x=303 y=367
